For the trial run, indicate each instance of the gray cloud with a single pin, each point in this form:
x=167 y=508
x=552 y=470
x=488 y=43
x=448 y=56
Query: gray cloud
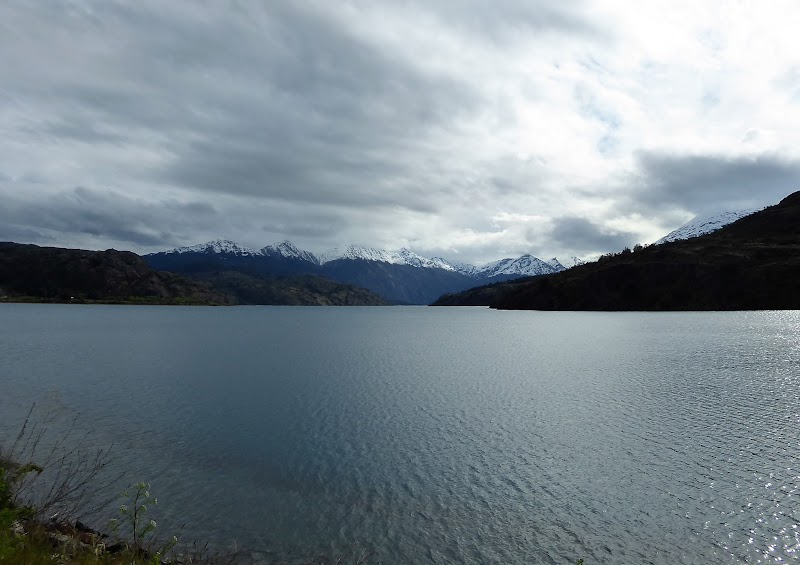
x=586 y=237
x=102 y=215
x=701 y=183
x=502 y=21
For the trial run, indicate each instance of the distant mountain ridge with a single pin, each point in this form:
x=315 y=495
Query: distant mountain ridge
x=400 y=277
x=525 y=265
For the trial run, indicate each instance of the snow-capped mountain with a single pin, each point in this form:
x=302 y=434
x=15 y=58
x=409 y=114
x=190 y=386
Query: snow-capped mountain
x=556 y=264
x=414 y=260
x=700 y=225
x=402 y=277
x=288 y=250
x=572 y=262
x=463 y=268
x=527 y=265
x=223 y=246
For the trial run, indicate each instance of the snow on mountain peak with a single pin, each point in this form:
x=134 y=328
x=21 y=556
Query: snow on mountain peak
x=463 y=268
x=526 y=265
x=225 y=246
x=700 y=225
x=363 y=253
x=411 y=258
x=574 y=262
x=288 y=250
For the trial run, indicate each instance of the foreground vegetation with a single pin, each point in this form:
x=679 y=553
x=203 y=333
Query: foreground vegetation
x=40 y=503
x=25 y=539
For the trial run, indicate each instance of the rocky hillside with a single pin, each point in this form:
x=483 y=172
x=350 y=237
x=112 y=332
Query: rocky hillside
x=68 y=275
x=751 y=264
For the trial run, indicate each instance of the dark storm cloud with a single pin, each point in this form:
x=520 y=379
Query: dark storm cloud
x=713 y=182
x=319 y=225
x=102 y=214
x=584 y=236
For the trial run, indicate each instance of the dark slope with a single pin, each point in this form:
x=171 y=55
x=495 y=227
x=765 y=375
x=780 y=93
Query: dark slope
x=65 y=275
x=398 y=283
x=481 y=295
x=206 y=262
x=300 y=290
x=752 y=264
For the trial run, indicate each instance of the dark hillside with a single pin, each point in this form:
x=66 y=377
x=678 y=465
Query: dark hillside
x=65 y=275
x=297 y=290
x=482 y=295
x=397 y=283
x=192 y=263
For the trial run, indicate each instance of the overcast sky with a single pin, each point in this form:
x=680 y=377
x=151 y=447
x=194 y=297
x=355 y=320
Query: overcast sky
x=469 y=129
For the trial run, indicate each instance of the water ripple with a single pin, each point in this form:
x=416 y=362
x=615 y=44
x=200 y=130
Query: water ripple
x=439 y=435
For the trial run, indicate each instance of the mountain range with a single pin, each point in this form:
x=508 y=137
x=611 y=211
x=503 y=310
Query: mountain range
x=402 y=277
x=752 y=263
x=525 y=265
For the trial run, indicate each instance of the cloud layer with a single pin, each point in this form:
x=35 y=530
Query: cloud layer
x=472 y=130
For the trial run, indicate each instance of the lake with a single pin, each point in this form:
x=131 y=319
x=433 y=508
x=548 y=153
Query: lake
x=435 y=435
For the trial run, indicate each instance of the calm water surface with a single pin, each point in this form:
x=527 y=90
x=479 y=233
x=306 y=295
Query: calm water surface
x=436 y=435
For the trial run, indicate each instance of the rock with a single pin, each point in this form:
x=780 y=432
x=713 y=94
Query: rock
x=17 y=529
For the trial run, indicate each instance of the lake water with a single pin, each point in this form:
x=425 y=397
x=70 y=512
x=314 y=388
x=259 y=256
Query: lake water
x=436 y=435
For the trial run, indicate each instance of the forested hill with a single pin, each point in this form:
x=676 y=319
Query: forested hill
x=52 y=274
x=752 y=264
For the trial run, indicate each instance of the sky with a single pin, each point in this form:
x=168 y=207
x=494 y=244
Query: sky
x=472 y=130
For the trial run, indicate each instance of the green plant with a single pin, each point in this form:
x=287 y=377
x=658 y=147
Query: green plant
x=135 y=526
x=11 y=475
x=133 y=513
